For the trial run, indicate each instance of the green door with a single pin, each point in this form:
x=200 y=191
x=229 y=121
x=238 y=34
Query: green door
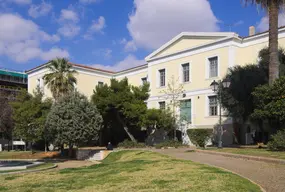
x=185 y=110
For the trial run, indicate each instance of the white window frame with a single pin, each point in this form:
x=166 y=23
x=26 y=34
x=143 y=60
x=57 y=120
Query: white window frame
x=142 y=80
x=181 y=74
x=100 y=82
x=162 y=102
x=207 y=106
x=207 y=67
x=158 y=78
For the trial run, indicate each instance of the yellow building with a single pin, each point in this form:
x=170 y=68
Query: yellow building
x=194 y=59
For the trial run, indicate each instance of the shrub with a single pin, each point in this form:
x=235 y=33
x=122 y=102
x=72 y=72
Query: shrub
x=169 y=143
x=199 y=137
x=278 y=142
x=130 y=144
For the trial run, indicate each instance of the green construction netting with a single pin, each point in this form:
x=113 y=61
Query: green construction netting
x=14 y=74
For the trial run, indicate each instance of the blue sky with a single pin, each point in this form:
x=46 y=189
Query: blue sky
x=110 y=34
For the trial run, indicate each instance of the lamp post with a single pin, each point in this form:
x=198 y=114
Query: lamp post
x=215 y=87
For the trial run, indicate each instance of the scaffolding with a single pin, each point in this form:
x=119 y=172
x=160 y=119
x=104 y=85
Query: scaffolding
x=11 y=83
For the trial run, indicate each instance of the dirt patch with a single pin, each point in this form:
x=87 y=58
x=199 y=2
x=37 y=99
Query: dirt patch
x=76 y=164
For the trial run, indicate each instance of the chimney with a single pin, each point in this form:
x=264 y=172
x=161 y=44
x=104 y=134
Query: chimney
x=251 y=30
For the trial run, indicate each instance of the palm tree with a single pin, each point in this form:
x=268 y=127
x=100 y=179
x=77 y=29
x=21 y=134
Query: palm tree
x=61 y=79
x=273 y=7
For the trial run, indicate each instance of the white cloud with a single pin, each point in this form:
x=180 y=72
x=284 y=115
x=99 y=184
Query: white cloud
x=97 y=26
x=263 y=25
x=88 y=1
x=129 y=46
x=69 y=30
x=68 y=15
x=25 y=46
x=39 y=10
x=129 y=62
x=69 y=23
x=153 y=23
x=107 y=53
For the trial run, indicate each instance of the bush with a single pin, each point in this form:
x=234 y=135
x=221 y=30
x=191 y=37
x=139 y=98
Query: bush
x=169 y=143
x=130 y=144
x=199 y=137
x=278 y=142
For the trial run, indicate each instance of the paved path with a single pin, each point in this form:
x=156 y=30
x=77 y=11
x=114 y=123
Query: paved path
x=75 y=164
x=268 y=175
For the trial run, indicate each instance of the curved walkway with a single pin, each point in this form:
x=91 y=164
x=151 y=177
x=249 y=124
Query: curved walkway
x=268 y=175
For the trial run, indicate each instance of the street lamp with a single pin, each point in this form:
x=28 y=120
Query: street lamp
x=215 y=87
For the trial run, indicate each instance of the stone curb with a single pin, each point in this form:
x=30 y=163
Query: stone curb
x=30 y=171
x=248 y=157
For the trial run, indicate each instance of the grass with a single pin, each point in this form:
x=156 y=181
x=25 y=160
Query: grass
x=42 y=166
x=131 y=171
x=252 y=151
x=13 y=154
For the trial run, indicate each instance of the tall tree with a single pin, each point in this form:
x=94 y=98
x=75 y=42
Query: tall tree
x=238 y=99
x=264 y=60
x=29 y=115
x=270 y=103
x=173 y=93
x=73 y=120
x=6 y=121
x=273 y=7
x=123 y=104
x=61 y=79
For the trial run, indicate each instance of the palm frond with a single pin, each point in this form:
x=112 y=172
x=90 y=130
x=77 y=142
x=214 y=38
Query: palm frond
x=61 y=78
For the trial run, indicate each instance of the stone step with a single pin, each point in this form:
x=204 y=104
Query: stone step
x=96 y=156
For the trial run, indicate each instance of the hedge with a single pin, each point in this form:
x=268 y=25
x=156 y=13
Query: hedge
x=199 y=137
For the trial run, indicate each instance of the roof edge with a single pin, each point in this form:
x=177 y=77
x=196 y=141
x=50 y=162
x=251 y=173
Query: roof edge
x=190 y=34
x=89 y=68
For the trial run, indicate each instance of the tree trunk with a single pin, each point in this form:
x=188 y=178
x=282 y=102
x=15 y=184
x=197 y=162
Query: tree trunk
x=125 y=128
x=273 y=11
x=70 y=150
x=174 y=123
x=62 y=150
x=261 y=127
x=32 y=149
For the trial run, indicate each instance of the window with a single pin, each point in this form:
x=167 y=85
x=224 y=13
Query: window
x=162 y=77
x=144 y=80
x=213 y=106
x=213 y=67
x=185 y=71
x=38 y=82
x=185 y=110
x=100 y=84
x=161 y=105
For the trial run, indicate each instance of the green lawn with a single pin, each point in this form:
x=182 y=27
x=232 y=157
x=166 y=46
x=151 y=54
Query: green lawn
x=132 y=171
x=13 y=154
x=252 y=152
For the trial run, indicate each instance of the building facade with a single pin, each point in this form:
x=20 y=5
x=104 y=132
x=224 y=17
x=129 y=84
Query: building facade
x=11 y=82
x=194 y=60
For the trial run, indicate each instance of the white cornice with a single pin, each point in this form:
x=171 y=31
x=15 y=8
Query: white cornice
x=188 y=94
x=199 y=49
x=196 y=35
x=225 y=42
x=95 y=72
x=139 y=69
x=129 y=73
